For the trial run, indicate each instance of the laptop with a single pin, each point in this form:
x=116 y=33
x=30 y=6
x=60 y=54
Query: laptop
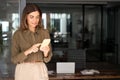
x=65 y=67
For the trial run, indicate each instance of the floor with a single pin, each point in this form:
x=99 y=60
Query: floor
x=6 y=67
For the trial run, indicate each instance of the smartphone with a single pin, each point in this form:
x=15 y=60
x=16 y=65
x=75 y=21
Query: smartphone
x=45 y=42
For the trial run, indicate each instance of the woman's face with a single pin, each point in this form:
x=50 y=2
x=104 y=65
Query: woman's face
x=33 y=19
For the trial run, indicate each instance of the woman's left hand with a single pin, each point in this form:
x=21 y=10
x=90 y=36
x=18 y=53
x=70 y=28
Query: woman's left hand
x=45 y=50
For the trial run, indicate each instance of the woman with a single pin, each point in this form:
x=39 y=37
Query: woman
x=26 y=51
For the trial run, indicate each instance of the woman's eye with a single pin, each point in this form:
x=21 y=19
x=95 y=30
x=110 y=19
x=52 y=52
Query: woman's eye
x=31 y=16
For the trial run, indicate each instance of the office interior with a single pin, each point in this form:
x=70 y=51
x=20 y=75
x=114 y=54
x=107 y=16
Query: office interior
x=82 y=31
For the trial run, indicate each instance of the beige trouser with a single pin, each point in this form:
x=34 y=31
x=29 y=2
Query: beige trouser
x=31 y=71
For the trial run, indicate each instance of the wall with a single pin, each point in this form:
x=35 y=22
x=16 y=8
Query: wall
x=119 y=36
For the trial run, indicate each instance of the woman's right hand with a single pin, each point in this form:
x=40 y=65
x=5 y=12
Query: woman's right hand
x=32 y=49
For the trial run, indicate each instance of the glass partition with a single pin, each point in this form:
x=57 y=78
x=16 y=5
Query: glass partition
x=92 y=32
x=9 y=21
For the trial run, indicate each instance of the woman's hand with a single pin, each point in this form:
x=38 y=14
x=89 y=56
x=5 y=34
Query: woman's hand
x=33 y=49
x=45 y=50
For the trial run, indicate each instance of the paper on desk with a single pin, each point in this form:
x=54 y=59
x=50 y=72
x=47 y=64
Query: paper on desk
x=90 y=72
x=45 y=42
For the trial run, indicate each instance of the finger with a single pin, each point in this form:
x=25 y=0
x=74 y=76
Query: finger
x=38 y=44
x=35 y=50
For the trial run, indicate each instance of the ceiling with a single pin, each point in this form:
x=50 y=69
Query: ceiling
x=57 y=3
x=63 y=1
x=73 y=1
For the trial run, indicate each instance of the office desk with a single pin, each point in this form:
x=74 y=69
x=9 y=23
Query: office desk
x=104 y=74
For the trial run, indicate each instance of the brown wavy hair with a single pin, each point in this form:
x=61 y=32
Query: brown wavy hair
x=28 y=9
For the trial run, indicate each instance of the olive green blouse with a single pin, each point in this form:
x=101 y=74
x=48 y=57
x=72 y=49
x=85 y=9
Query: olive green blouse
x=23 y=40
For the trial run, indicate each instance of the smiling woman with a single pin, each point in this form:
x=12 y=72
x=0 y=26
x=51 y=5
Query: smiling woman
x=32 y=20
x=26 y=51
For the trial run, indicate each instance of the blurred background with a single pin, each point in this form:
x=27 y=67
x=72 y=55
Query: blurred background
x=82 y=31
